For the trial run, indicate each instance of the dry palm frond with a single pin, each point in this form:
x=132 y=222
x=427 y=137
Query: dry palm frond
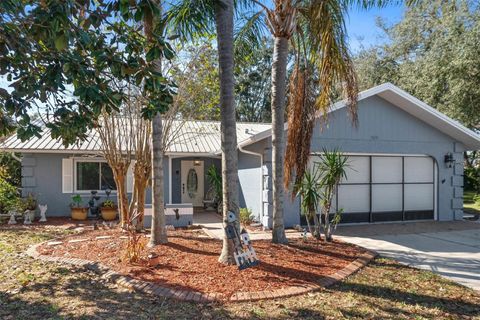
x=301 y=120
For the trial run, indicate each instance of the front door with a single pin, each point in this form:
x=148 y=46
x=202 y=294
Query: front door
x=192 y=182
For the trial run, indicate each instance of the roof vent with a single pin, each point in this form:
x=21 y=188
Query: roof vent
x=246 y=130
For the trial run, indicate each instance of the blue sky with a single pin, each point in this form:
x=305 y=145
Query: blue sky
x=361 y=25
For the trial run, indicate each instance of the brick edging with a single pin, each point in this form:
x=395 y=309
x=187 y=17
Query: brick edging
x=196 y=296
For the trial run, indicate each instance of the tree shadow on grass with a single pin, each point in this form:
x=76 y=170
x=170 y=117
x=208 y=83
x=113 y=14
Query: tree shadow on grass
x=80 y=294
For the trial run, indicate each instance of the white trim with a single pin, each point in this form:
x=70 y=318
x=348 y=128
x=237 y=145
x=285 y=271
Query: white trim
x=409 y=104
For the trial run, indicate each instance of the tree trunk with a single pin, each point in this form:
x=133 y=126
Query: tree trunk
x=158 y=230
x=279 y=74
x=224 y=25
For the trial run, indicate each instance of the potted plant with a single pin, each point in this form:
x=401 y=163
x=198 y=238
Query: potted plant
x=108 y=210
x=29 y=206
x=78 y=211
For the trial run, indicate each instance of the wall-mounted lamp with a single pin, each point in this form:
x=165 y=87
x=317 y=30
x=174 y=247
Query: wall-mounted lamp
x=449 y=160
x=196 y=162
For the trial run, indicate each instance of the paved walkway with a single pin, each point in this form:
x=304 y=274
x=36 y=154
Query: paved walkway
x=212 y=225
x=451 y=249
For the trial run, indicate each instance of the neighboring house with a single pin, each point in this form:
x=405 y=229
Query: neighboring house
x=406 y=163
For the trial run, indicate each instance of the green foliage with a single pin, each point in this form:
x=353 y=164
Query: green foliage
x=76 y=201
x=253 y=83
x=472 y=178
x=215 y=180
x=75 y=59
x=29 y=203
x=332 y=165
x=308 y=189
x=246 y=217
x=9 y=196
x=109 y=204
x=434 y=54
x=10 y=169
x=309 y=193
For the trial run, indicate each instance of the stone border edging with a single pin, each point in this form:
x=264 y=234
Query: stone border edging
x=195 y=296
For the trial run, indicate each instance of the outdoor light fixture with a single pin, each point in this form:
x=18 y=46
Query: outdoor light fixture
x=449 y=160
x=196 y=162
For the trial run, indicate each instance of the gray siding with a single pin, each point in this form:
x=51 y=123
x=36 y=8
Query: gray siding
x=42 y=176
x=385 y=129
x=250 y=182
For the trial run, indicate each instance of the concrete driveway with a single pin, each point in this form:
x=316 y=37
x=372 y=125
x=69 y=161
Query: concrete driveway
x=451 y=249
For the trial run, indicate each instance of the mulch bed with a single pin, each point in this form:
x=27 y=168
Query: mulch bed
x=189 y=261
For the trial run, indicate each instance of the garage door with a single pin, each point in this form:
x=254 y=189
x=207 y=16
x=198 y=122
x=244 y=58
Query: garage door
x=387 y=188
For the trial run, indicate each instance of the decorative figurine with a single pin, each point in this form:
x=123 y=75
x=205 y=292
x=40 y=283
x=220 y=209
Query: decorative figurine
x=244 y=253
x=27 y=219
x=12 y=218
x=43 y=210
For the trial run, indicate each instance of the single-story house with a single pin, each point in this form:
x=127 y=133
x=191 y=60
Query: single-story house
x=406 y=163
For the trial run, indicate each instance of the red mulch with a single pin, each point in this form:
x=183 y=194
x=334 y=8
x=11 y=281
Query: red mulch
x=189 y=261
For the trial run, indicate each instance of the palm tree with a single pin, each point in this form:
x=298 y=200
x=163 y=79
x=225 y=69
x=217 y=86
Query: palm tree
x=158 y=228
x=316 y=30
x=195 y=18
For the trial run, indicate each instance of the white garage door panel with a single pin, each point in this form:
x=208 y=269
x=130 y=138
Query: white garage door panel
x=386 y=169
x=418 y=169
x=418 y=197
x=354 y=198
x=387 y=198
x=358 y=170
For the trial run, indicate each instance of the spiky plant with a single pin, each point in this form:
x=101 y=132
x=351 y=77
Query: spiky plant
x=332 y=165
x=308 y=189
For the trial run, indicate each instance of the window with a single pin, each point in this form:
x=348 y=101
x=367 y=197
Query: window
x=93 y=175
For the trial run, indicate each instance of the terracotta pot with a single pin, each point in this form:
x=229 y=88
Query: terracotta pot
x=109 y=213
x=79 y=213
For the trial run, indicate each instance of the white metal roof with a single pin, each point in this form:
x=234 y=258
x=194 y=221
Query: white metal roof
x=410 y=104
x=199 y=137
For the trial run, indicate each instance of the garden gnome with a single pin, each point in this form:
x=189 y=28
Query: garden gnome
x=27 y=218
x=43 y=210
x=12 y=218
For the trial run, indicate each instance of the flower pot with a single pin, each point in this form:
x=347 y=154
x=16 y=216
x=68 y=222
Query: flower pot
x=109 y=213
x=79 y=213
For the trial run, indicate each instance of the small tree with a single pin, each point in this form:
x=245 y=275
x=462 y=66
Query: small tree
x=308 y=189
x=332 y=166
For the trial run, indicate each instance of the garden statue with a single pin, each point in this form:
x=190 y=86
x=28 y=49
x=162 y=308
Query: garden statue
x=27 y=219
x=244 y=253
x=43 y=210
x=12 y=218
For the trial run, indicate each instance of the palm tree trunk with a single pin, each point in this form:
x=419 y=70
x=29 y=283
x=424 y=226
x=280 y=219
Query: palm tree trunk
x=224 y=25
x=158 y=230
x=279 y=74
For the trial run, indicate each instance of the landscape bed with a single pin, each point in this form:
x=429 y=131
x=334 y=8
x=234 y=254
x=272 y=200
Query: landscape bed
x=190 y=261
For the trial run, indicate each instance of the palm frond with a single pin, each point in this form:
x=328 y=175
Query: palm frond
x=324 y=22
x=191 y=19
x=249 y=33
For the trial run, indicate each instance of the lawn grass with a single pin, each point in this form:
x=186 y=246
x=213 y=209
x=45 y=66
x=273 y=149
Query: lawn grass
x=31 y=289
x=469 y=203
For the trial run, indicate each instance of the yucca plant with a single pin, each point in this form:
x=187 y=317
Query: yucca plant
x=332 y=165
x=308 y=189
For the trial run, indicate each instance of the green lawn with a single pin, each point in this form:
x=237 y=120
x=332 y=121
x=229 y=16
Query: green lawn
x=469 y=204
x=31 y=289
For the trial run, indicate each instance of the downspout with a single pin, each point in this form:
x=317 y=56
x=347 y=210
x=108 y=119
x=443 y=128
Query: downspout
x=14 y=156
x=260 y=155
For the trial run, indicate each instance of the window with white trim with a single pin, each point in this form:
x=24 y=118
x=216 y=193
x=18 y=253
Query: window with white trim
x=93 y=175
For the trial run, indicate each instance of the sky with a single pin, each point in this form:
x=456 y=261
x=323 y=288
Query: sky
x=362 y=29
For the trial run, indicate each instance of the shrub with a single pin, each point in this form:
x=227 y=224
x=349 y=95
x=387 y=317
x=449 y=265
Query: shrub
x=246 y=217
x=9 y=197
